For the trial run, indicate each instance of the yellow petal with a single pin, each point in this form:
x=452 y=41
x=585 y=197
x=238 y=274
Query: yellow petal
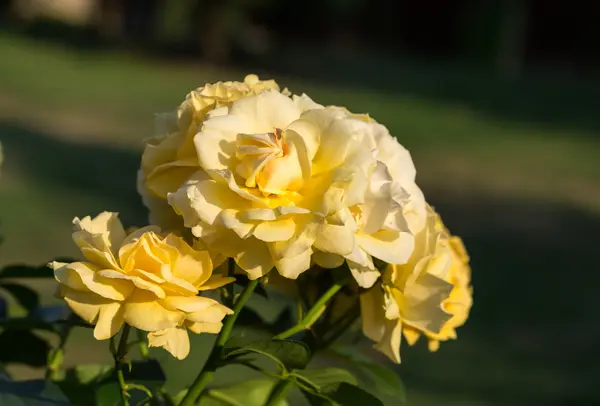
x=188 y=304
x=137 y=281
x=167 y=178
x=199 y=328
x=215 y=282
x=143 y=311
x=67 y=277
x=327 y=260
x=279 y=230
x=85 y=304
x=421 y=306
x=390 y=246
x=174 y=340
x=212 y=314
x=110 y=320
x=336 y=239
x=391 y=340
x=109 y=288
x=292 y=267
x=365 y=276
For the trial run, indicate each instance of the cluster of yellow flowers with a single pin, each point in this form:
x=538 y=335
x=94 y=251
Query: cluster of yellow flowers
x=275 y=181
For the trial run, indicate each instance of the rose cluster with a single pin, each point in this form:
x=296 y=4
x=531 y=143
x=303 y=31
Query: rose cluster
x=278 y=183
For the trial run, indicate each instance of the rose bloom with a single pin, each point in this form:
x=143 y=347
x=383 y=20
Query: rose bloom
x=146 y=279
x=429 y=295
x=170 y=158
x=282 y=178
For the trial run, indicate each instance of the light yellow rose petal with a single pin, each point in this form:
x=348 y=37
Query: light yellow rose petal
x=278 y=230
x=142 y=311
x=174 y=340
x=110 y=320
x=199 y=328
x=390 y=246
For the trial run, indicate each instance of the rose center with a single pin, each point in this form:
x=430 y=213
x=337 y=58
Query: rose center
x=255 y=151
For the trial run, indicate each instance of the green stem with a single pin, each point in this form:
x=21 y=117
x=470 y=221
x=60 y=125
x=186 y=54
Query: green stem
x=310 y=316
x=206 y=374
x=279 y=392
x=120 y=364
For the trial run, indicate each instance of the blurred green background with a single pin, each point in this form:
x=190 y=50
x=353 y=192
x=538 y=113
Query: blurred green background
x=497 y=102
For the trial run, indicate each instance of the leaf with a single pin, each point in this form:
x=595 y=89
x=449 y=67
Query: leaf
x=79 y=383
x=26 y=271
x=342 y=394
x=31 y=393
x=247 y=393
x=86 y=374
x=288 y=354
x=33 y=350
x=323 y=377
x=25 y=323
x=378 y=378
x=26 y=297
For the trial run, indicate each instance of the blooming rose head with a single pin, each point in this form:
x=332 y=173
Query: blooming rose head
x=459 y=303
x=170 y=158
x=146 y=279
x=427 y=295
x=282 y=178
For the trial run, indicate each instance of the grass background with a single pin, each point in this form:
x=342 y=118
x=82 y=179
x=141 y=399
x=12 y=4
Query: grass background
x=513 y=167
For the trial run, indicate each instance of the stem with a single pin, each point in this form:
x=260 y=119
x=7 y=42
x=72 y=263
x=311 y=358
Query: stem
x=206 y=374
x=279 y=392
x=309 y=317
x=119 y=355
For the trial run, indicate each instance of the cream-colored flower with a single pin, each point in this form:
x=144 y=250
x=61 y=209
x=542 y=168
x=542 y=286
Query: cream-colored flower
x=146 y=279
x=170 y=158
x=416 y=297
x=275 y=172
x=458 y=304
x=383 y=224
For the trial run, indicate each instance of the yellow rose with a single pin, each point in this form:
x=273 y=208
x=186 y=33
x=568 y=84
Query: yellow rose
x=282 y=178
x=383 y=224
x=458 y=304
x=170 y=158
x=145 y=279
x=428 y=295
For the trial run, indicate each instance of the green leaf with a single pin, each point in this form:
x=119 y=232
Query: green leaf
x=377 y=378
x=25 y=323
x=34 y=350
x=288 y=354
x=31 y=393
x=341 y=394
x=26 y=297
x=323 y=377
x=144 y=373
x=79 y=384
x=87 y=374
x=247 y=393
x=26 y=271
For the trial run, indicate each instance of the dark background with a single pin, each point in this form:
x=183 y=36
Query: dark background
x=497 y=101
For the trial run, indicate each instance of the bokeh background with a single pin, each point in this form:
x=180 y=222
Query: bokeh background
x=498 y=102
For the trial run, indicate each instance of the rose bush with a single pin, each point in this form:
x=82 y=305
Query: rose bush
x=251 y=191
